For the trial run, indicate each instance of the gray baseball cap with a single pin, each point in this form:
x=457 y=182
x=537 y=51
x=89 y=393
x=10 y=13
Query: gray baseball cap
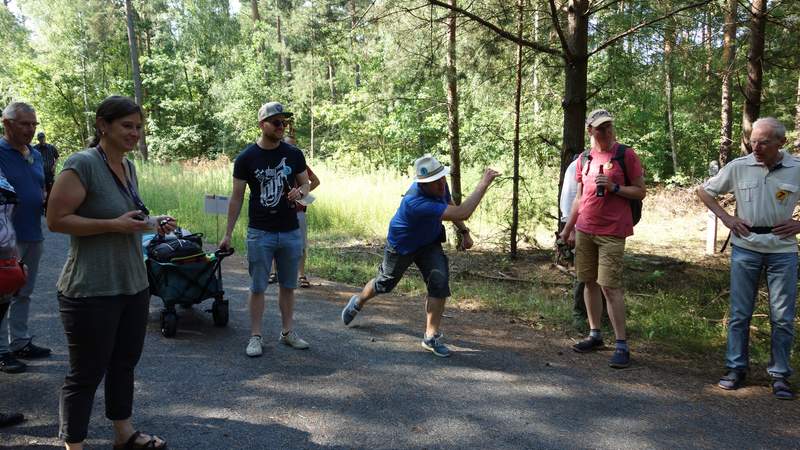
x=40 y=134
x=598 y=117
x=271 y=109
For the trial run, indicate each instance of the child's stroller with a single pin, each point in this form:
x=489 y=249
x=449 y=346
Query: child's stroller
x=181 y=273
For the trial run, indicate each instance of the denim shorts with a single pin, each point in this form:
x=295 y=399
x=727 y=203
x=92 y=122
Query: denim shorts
x=285 y=246
x=430 y=260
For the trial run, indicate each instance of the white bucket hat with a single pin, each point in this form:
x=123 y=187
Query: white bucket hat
x=428 y=169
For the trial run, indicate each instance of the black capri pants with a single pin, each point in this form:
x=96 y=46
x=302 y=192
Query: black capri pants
x=431 y=261
x=105 y=336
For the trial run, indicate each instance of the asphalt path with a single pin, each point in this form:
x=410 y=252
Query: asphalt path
x=372 y=386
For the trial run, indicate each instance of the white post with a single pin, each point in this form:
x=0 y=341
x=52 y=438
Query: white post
x=711 y=233
x=711 y=221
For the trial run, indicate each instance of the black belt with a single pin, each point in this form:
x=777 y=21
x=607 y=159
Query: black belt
x=760 y=230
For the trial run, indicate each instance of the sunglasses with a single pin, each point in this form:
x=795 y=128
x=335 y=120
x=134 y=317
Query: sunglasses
x=278 y=123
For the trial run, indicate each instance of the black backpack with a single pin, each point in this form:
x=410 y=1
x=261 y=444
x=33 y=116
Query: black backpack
x=164 y=249
x=636 y=205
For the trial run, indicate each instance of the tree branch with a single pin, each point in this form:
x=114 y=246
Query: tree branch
x=630 y=31
x=501 y=32
x=601 y=7
x=559 y=31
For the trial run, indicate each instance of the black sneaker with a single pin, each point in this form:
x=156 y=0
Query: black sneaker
x=7 y=420
x=31 y=351
x=589 y=344
x=9 y=364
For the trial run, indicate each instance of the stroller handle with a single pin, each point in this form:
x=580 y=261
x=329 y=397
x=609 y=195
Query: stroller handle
x=222 y=253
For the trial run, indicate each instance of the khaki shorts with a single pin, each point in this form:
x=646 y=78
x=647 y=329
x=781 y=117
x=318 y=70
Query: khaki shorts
x=599 y=258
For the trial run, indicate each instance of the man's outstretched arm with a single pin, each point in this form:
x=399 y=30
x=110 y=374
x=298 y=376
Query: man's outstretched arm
x=462 y=212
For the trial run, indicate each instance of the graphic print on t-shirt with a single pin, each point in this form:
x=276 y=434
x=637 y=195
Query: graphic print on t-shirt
x=273 y=181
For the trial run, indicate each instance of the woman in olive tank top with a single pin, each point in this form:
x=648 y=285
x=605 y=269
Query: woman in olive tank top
x=103 y=291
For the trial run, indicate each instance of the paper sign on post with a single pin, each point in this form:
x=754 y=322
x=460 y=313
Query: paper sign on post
x=216 y=204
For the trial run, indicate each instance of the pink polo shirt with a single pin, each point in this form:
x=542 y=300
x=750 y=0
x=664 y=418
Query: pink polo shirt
x=609 y=215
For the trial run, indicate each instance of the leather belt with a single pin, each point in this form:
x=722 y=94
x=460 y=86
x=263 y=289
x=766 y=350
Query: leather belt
x=760 y=230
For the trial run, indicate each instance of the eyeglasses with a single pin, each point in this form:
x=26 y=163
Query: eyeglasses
x=278 y=123
x=25 y=124
x=761 y=143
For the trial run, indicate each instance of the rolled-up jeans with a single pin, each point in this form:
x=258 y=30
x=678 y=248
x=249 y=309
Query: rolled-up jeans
x=14 y=332
x=781 y=268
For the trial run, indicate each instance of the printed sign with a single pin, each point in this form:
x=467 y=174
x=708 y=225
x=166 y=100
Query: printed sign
x=216 y=204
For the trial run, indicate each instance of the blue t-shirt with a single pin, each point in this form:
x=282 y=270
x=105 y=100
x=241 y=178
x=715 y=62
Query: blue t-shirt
x=270 y=174
x=28 y=181
x=418 y=220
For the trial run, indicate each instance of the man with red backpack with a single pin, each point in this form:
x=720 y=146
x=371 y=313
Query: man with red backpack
x=610 y=179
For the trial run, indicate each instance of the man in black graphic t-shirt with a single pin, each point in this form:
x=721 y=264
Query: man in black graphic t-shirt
x=270 y=167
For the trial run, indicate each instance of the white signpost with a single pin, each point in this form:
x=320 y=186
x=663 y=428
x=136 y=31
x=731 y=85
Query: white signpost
x=216 y=205
x=711 y=221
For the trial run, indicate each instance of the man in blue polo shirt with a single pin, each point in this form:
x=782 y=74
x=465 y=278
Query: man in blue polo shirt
x=415 y=236
x=22 y=166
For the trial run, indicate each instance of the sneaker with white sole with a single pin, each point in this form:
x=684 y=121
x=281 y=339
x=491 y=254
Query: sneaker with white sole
x=350 y=310
x=435 y=345
x=254 y=346
x=293 y=340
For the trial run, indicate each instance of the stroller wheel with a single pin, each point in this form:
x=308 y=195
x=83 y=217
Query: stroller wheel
x=169 y=324
x=219 y=311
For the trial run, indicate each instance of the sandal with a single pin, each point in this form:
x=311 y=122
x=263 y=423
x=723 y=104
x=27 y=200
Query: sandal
x=781 y=389
x=273 y=278
x=132 y=445
x=304 y=282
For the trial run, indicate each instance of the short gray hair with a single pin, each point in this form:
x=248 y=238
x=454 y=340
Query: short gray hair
x=778 y=129
x=15 y=108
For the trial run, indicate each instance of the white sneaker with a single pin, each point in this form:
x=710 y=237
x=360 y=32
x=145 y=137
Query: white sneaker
x=293 y=340
x=254 y=346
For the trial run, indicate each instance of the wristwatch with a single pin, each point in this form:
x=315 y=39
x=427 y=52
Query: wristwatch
x=616 y=188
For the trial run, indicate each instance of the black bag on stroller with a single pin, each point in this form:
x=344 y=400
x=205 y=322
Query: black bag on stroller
x=166 y=249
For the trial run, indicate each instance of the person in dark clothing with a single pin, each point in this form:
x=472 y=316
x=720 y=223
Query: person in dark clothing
x=49 y=159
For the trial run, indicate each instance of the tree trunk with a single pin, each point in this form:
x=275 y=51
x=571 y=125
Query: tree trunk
x=517 y=102
x=254 y=10
x=452 y=109
x=353 y=25
x=575 y=84
x=331 y=83
x=728 y=61
x=137 y=79
x=537 y=104
x=755 y=70
x=669 y=42
x=797 y=119
x=707 y=43
x=451 y=73
x=280 y=43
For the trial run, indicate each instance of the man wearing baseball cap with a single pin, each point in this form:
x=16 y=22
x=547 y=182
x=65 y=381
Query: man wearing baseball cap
x=415 y=236
x=601 y=217
x=270 y=167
